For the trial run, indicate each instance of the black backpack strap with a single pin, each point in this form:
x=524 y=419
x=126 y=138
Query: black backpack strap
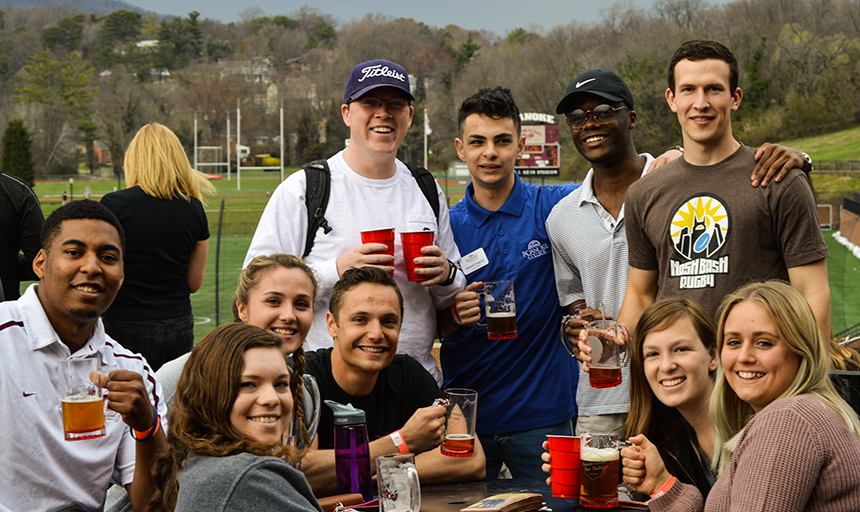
x=317 y=191
x=427 y=184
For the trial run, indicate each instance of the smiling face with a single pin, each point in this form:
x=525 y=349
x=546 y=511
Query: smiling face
x=379 y=132
x=603 y=143
x=366 y=330
x=704 y=102
x=80 y=273
x=758 y=365
x=490 y=147
x=264 y=405
x=282 y=303
x=677 y=366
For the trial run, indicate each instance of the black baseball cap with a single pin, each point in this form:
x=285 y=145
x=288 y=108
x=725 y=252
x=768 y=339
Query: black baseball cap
x=600 y=82
x=376 y=73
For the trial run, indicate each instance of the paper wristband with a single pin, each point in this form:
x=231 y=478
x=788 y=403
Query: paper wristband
x=665 y=487
x=399 y=442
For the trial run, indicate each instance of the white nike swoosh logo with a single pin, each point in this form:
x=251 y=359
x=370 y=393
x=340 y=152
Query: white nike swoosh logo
x=580 y=84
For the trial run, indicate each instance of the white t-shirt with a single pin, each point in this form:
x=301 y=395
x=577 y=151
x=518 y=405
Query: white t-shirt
x=357 y=204
x=40 y=470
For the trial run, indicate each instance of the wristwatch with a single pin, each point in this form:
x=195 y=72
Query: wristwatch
x=452 y=271
x=807 y=167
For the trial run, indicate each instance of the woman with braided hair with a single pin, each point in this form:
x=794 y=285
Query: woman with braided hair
x=275 y=293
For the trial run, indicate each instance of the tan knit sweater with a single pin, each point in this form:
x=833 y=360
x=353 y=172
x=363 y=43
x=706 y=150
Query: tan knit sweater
x=795 y=455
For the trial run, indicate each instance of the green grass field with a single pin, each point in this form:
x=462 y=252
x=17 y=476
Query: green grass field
x=843 y=269
x=840 y=146
x=242 y=210
x=228 y=264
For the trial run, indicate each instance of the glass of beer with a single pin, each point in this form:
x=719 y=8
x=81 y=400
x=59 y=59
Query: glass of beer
x=600 y=469
x=607 y=357
x=399 y=486
x=459 y=439
x=82 y=401
x=501 y=310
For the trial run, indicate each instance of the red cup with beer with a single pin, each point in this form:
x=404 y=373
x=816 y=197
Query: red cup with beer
x=607 y=356
x=460 y=419
x=412 y=243
x=81 y=399
x=600 y=469
x=565 y=466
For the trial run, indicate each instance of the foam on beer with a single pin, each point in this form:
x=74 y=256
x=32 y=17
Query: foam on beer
x=589 y=454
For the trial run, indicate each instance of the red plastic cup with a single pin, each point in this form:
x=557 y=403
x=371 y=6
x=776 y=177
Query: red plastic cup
x=413 y=242
x=566 y=466
x=380 y=236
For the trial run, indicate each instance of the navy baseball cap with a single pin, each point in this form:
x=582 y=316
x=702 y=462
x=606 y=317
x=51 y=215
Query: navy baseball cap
x=599 y=82
x=376 y=73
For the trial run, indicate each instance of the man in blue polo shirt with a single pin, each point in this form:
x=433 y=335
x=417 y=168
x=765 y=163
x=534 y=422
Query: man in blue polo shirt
x=526 y=385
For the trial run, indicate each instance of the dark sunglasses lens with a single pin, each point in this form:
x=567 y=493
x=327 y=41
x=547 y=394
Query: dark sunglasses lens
x=603 y=113
x=577 y=118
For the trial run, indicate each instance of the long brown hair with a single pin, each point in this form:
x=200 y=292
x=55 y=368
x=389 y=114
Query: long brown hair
x=648 y=415
x=249 y=279
x=199 y=420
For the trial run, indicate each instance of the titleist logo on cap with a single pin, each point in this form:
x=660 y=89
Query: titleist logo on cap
x=380 y=70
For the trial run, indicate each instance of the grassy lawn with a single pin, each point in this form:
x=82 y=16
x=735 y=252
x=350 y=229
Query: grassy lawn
x=843 y=269
x=228 y=264
x=844 y=145
x=242 y=210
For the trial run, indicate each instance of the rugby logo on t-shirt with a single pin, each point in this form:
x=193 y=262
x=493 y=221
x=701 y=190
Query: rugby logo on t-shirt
x=700 y=227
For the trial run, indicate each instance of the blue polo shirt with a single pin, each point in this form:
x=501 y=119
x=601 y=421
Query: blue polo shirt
x=530 y=381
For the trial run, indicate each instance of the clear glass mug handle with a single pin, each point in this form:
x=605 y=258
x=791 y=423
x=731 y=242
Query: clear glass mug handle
x=622 y=487
x=482 y=304
x=624 y=355
x=565 y=343
x=415 y=487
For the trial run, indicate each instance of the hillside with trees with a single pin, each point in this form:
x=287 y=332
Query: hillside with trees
x=75 y=77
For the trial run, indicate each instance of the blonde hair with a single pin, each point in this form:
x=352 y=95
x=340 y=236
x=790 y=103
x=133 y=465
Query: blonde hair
x=797 y=328
x=156 y=162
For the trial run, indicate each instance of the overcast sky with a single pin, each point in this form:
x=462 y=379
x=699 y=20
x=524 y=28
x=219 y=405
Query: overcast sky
x=499 y=17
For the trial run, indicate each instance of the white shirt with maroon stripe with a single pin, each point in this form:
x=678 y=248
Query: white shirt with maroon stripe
x=40 y=470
